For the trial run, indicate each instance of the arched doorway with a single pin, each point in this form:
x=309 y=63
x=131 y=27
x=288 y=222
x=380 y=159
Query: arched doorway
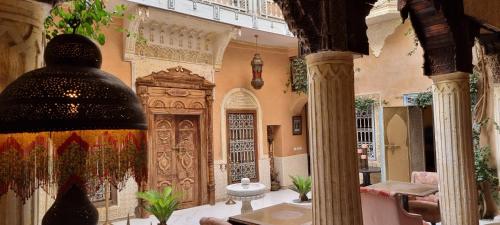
x=241 y=122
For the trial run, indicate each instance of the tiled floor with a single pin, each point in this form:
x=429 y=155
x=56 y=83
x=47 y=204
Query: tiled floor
x=192 y=216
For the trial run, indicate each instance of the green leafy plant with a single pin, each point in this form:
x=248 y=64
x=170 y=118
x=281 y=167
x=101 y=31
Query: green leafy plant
x=363 y=104
x=486 y=176
x=482 y=167
x=160 y=204
x=301 y=185
x=474 y=88
x=83 y=17
x=298 y=78
x=423 y=99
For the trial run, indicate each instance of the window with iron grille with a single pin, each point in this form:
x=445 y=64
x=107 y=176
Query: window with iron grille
x=242 y=139
x=365 y=129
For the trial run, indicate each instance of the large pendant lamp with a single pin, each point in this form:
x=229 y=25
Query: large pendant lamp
x=257 y=65
x=73 y=126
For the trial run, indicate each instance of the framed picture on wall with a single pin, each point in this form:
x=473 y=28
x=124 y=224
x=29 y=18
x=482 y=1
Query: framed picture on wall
x=297 y=125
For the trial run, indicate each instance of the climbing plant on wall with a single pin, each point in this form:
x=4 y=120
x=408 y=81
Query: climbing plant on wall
x=363 y=104
x=423 y=99
x=298 y=75
x=83 y=17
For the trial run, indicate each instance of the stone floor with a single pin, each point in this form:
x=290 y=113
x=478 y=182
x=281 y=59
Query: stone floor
x=221 y=210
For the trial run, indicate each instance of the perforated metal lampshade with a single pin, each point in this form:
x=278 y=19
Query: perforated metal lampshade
x=70 y=93
x=72 y=124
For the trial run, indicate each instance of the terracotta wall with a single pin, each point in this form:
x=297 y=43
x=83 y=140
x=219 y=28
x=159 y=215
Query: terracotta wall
x=112 y=54
x=394 y=72
x=277 y=106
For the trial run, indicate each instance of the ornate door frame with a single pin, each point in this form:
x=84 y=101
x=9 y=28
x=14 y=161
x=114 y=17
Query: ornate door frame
x=177 y=91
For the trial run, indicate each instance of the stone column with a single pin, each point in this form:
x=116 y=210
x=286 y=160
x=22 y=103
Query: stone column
x=336 y=197
x=455 y=159
x=21 y=27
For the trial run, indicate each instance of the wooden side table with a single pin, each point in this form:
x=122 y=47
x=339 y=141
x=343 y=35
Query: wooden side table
x=366 y=175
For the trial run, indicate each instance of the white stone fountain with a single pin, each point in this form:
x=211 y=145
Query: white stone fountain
x=246 y=192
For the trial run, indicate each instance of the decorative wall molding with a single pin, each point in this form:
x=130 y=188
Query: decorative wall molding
x=171 y=37
x=382 y=21
x=378 y=32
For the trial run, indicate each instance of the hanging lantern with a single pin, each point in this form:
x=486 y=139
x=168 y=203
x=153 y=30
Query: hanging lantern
x=73 y=125
x=257 y=65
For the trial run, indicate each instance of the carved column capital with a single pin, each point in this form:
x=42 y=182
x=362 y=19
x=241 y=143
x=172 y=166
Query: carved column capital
x=451 y=83
x=21 y=35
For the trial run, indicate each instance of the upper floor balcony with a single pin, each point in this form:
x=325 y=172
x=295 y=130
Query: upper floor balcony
x=263 y=15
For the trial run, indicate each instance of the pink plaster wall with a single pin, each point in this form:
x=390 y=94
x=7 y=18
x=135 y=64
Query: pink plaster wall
x=276 y=105
x=393 y=73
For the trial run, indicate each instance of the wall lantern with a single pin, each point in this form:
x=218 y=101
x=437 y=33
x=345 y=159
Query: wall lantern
x=257 y=65
x=72 y=125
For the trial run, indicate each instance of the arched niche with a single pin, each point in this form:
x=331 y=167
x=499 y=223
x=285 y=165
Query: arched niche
x=241 y=99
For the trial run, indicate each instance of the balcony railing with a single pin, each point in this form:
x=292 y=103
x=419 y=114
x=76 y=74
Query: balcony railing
x=267 y=8
x=270 y=9
x=240 y=5
x=263 y=15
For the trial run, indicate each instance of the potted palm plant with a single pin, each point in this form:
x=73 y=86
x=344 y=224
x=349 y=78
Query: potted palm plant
x=301 y=185
x=160 y=204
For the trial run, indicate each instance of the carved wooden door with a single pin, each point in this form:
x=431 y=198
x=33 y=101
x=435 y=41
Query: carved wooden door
x=176 y=156
x=242 y=139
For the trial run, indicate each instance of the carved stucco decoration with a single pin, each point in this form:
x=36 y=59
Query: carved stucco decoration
x=337 y=25
x=171 y=54
x=171 y=37
x=241 y=100
x=21 y=27
x=444 y=32
x=382 y=21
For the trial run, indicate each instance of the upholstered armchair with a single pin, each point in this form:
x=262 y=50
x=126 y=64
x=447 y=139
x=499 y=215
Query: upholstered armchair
x=212 y=221
x=383 y=208
x=427 y=206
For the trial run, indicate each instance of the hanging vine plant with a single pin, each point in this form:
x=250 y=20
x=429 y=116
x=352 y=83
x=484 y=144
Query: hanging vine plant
x=423 y=99
x=83 y=17
x=363 y=104
x=298 y=78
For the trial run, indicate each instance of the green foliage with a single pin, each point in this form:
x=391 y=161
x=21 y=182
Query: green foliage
x=423 y=99
x=301 y=185
x=83 y=17
x=363 y=104
x=474 y=89
x=298 y=69
x=161 y=205
x=482 y=168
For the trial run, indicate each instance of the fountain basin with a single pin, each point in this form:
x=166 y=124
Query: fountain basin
x=248 y=190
